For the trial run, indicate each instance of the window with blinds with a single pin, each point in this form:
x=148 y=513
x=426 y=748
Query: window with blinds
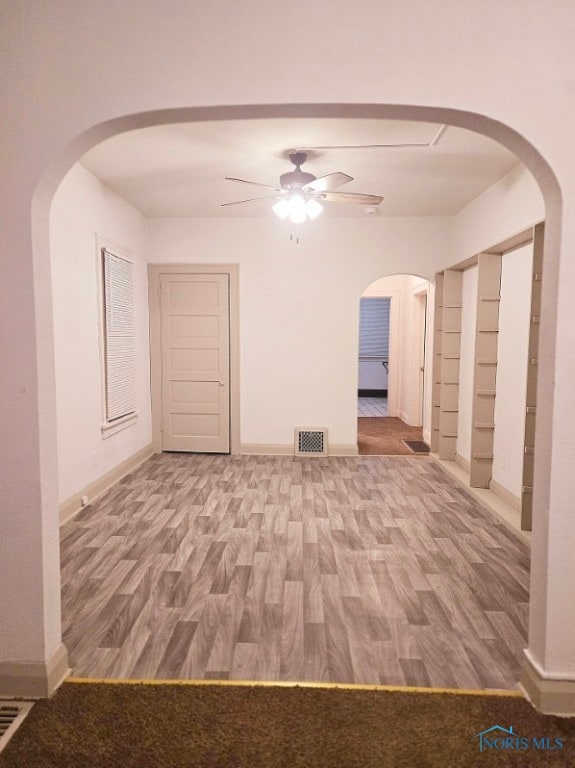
x=119 y=336
x=374 y=329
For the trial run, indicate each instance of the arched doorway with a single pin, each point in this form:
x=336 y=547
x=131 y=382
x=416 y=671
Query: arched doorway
x=523 y=150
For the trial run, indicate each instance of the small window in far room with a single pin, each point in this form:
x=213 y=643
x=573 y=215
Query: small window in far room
x=118 y=336
x=374 y=329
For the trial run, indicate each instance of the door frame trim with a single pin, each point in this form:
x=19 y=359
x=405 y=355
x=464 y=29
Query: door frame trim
x=154 y=272
x=394 y=376
x=420 y=298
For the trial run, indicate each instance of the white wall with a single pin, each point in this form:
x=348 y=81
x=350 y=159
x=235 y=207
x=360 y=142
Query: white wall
x=82 y=208
x=512 y=361
x=467 y=362
x=299 y=308
x=504 y=209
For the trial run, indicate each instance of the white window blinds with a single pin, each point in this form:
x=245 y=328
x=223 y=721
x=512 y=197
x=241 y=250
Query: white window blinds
x=374 y=328
x=119 y=336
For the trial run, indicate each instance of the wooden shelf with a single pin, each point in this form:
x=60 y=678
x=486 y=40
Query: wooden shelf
x=535 y=315
x=436 y=373
x=485 y=368
x=449 y=301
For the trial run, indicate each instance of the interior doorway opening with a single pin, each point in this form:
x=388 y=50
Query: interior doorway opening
x=404 y=673
x=392 y=382
x=373 y=359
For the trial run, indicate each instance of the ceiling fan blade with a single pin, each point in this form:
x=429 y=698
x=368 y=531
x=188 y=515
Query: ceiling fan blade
x=325 y=183
x=350 y=197
x=253 y=183
x=251 y=200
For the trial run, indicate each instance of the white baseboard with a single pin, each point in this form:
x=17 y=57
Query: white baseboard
x=508 y=497
x=34 y=679
x=343 y=450
x=552 y=696
x=489 y=500
x=462 y=462
x=266 y=449
x=287 y=449
x=73 y=505
x=427 y=437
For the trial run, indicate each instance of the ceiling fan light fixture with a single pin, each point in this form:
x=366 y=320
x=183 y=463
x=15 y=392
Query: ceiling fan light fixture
x=281 y=209
x=299 y=192
x=313 y=208
x=297 y=209
x=297 y=212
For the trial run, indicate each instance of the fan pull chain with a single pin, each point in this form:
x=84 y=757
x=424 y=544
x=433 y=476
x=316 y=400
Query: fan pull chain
x=291 y=237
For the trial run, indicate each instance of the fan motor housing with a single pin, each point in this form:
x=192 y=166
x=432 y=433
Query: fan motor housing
x=295 y=179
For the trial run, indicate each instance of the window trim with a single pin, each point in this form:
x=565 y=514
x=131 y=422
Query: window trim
x=108 y=428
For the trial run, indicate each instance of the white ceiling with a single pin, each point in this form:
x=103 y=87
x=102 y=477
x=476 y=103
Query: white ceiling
x=179 y=170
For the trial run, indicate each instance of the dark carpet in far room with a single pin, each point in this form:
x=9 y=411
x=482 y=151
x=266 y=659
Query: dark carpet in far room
x=385 y=435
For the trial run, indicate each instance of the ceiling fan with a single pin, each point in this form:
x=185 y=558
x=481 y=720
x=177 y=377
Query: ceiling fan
x=300 y=194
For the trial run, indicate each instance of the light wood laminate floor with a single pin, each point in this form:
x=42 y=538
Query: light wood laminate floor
x=372 y=569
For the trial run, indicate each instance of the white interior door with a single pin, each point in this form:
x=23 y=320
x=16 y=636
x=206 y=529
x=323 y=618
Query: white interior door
x=195 y=340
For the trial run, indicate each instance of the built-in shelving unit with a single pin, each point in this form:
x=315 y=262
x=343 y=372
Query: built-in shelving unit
x=450 y=354
x=446 y=365
x=485 y=369
x=436 y=392
x=531 y=398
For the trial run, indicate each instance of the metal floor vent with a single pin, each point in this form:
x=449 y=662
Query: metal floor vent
x=310 y=441
x=12 y=715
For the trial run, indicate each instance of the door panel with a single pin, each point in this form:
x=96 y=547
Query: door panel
x=205 y=363
x=195 y=363
x=194 y=327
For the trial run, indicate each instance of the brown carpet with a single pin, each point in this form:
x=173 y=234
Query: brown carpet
x=384 y=436
x=177 y=726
